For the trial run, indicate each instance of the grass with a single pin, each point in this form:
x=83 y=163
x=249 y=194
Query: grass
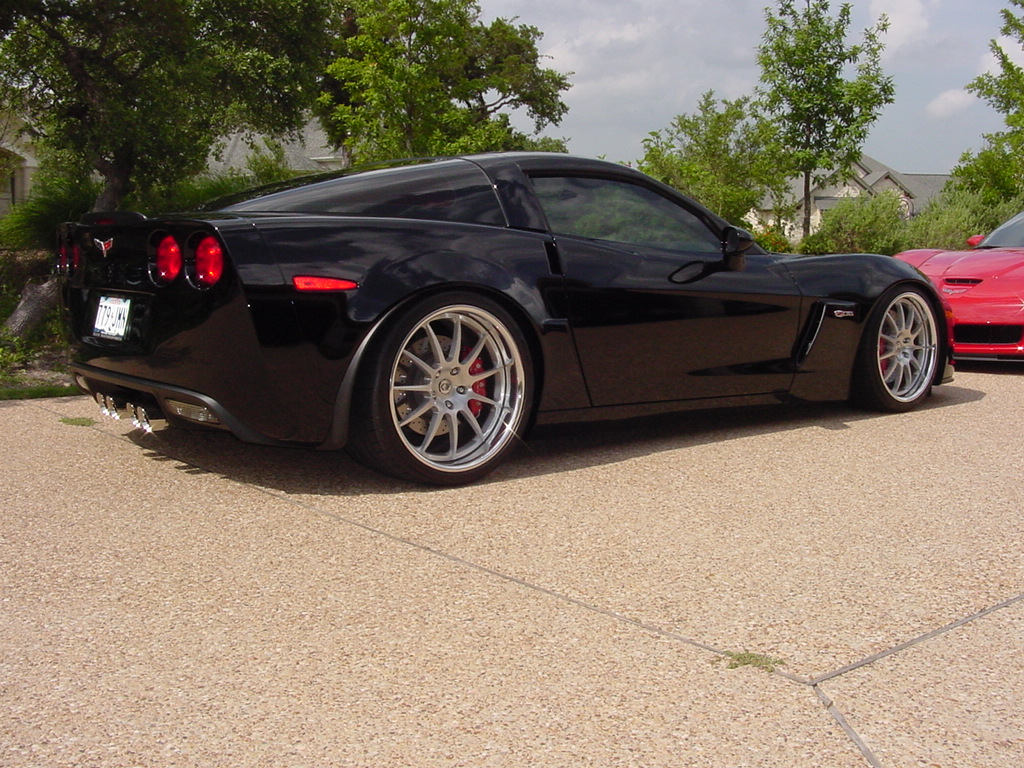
x=17 y=391
x=748 y=659
x=80 y=421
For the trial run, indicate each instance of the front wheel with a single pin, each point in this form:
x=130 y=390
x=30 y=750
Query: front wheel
x=899 y=352
x=445 y=393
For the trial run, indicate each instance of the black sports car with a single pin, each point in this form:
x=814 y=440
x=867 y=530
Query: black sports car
x=426 y=314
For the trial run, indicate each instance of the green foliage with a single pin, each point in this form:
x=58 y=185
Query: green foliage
x=719 y=156
x=28 y=392
x=737 y=659
x=265 y=165
x=139 y=90
x=997 y=170
x=16 y=269
x=823 y=118
x=958 y=214
x=427 y=77
x=61 y=191
x=15 y=353
x=78 y=421
x=875 y=224
x=1004 y=90
x=867 y=224
x=773 y=239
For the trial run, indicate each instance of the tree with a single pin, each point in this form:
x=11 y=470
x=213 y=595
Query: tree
x=142 y=89
x=823 y=117
x=427 y=77
x=720 y=156
x=997 y=170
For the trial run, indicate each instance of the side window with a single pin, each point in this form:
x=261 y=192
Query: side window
x=602 y=209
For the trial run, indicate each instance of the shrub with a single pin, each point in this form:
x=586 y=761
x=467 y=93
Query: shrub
x=773 y=239
x=956 y=215
x=866 y=224
x=54 y=199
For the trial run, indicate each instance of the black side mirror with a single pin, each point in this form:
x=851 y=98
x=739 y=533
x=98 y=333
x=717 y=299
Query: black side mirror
x=735 y=244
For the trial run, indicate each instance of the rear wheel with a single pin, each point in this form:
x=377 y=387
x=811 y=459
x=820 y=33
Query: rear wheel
x=899 y=353
x=445 y=392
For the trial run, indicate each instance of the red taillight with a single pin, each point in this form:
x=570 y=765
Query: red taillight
x=69 y=258
x=311 y=283
x=168 y=260
x=209 y=262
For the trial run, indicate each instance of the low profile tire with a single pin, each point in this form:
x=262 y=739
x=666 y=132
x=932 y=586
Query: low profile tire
x=445 y=392
x=899 y=352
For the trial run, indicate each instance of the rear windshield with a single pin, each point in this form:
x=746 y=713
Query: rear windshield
x=1009 y=235
x=447 y=190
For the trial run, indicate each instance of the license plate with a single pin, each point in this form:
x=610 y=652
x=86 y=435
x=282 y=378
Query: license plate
x=112 y=317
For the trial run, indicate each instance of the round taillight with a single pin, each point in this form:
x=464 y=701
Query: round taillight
x=209 y=262
x=168 y=260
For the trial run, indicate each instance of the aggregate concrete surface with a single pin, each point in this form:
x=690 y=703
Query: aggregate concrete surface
x=182 y=599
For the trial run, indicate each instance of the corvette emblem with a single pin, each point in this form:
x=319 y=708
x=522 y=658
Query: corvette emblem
x=104 y=245
x=954 y=291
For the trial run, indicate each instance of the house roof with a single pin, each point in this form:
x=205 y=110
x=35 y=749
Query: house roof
x=311 y=150
x=870 y=175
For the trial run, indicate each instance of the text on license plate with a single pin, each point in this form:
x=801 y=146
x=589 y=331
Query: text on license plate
x=112 y=317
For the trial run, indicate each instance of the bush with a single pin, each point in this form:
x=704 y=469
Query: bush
x=54 y=199
x=866 y=224
x=957 y=215
x=773 y=239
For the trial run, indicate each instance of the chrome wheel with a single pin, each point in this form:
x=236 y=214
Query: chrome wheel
x=907 y=347
x=457 y=389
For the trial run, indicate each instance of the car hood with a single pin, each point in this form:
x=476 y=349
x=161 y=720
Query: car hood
x=981 y=264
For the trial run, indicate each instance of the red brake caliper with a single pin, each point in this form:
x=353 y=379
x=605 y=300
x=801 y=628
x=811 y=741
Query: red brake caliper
x=480 y=388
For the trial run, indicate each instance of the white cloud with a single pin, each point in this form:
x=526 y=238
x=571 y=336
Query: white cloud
x=1013 y=49
x=908 y=22
x=637 y=64
x=949 y=104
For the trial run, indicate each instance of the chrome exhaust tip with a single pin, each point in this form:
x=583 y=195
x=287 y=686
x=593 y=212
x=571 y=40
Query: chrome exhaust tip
x=104 y=403
x=112 y=410
x=140 y=419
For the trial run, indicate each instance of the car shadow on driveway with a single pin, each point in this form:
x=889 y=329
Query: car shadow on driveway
x=550 y=449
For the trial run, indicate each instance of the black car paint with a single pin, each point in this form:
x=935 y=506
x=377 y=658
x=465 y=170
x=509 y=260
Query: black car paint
x=609 y=327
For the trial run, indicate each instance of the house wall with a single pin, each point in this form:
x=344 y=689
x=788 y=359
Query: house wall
x=18 y=183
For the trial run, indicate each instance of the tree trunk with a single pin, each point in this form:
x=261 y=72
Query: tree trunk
x=113 y=192
x=807 y=203
x=37 y=301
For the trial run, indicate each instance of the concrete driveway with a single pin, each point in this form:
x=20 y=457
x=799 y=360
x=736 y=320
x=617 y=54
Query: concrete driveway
x=186 y=600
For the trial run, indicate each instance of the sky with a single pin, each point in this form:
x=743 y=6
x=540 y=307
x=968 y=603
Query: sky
x=637 y=64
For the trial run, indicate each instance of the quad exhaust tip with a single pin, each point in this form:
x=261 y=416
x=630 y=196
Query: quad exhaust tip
x=117 y=410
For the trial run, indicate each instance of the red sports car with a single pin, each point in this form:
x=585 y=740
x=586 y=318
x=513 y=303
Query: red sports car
x=985 y=288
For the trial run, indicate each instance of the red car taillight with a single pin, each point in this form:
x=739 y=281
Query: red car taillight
x=168 y=263
x=209 y=262
x=69 y=258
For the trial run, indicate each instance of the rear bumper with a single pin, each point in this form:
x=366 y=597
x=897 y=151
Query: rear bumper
x=164 y=402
